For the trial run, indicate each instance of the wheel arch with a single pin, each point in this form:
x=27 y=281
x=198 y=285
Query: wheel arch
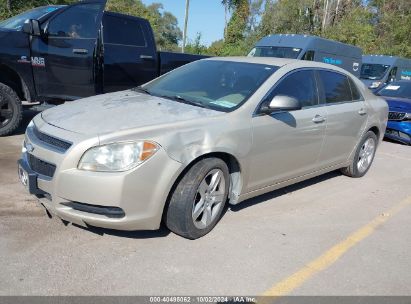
x=234 y=168
x=11 y=78
x=376 y=131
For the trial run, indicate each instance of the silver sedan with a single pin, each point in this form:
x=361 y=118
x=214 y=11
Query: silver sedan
x=216 y=131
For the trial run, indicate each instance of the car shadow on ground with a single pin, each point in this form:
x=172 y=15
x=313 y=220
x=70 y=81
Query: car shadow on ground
x=142 y=234
x=163 y=231
x=283 y=191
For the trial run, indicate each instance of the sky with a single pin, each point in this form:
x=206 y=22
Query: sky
x=205 y=17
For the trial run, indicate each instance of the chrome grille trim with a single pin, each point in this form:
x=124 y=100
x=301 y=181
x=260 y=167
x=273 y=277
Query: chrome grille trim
x=56 y=143
x=396 y=115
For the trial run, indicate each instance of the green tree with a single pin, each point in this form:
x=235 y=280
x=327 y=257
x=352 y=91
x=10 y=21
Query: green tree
x=196 y=46
x=164 y=24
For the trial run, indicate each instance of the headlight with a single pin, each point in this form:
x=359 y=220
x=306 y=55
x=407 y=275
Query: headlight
x=408 y=116
x=117 y=157
x=375 y=84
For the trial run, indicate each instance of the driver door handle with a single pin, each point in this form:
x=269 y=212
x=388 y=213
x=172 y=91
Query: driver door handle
x=147 y=57
x=362 y=112
x=80 y=51
x=319 y=119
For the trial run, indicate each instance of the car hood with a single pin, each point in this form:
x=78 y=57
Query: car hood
x=121 y=111
x=11 y=39
x=398 y=104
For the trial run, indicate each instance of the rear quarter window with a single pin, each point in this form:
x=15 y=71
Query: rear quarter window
x=336 y=87
x=356 y=95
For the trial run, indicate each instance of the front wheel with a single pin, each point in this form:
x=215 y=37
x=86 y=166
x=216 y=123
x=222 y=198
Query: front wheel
x=364 y=156
x=198 y=200
x=10 y=110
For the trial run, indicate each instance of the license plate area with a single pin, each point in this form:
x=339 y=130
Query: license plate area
x=28 y=178
x=24 y=177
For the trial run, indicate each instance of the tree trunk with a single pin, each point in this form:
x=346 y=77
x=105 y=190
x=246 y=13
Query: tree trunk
x=9 y=5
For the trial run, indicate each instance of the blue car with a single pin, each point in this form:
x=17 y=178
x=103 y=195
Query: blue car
x=398 y=96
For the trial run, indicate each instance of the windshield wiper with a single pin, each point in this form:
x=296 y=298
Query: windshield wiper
x=187 y=101
x=141 y=89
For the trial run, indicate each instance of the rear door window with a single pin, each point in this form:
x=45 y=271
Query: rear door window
x=336 y=87
x=123 y=31
x=300 y=85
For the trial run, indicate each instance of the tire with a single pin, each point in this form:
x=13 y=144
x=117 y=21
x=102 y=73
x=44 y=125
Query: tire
x=194 y=208
x=364 y=156
x=10 y=110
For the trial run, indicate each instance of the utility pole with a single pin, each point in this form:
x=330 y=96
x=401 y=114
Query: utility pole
x=325 y=16
x=185 y=26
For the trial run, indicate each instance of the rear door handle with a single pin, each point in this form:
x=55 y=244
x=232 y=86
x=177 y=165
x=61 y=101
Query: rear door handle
x=318 y=119
x=148 y=57
x=362 y=112
x=80 y=51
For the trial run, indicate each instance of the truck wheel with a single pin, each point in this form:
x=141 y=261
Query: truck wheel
x=364 y=156
x=10 y=110
x=198 y=200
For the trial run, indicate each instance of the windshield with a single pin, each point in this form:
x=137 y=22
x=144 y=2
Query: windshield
x=218 y=85
x=275 y=51
x=373 y=71
x=17 y=22
x=396 y=89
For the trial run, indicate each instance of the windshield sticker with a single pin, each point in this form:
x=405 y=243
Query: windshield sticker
x=296 y=50
x=224 y=103
x=392 y=87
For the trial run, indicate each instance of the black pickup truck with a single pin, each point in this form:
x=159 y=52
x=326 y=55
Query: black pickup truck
x=54 y=54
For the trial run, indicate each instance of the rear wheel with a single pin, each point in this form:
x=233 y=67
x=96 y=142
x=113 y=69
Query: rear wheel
x=199 y=198
x=364 y=156
x=10 y=110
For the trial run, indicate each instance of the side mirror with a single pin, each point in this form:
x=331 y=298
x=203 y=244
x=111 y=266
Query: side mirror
x=281 y=103
x=32 y=27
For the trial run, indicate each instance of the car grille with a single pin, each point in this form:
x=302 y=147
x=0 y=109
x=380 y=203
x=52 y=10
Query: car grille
x=40 y=166
x=56 y=143
x=396 y=115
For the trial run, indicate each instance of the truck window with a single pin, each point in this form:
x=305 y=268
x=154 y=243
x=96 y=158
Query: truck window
x=300 y=85
x=276 y=51
x=309 y=56
x=17 y=22
x=336 y=87
x=393 y=74
x=373 y=71
x=79 y=21
x=123 y=31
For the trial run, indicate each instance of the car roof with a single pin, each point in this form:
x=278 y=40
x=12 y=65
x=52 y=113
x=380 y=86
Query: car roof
x=308 y=41
x=383 y=59
x=281 y=62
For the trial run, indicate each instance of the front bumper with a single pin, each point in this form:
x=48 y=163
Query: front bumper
x=136 y=198
x=399 y=131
